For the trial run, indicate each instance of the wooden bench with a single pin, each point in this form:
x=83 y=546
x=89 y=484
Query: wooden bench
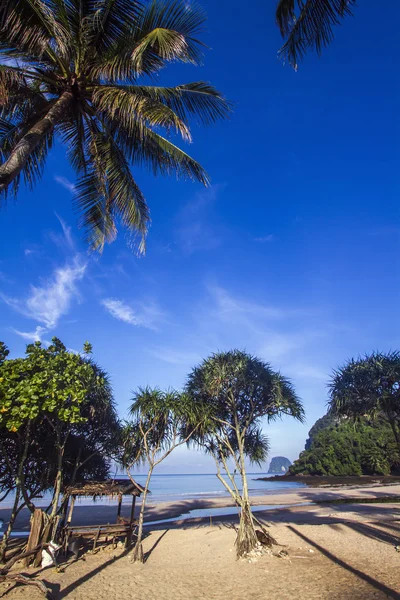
x=99 y=532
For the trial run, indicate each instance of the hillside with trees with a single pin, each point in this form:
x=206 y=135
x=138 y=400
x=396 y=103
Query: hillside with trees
x=343 y=447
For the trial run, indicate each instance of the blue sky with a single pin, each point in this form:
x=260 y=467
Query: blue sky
x=292 y=254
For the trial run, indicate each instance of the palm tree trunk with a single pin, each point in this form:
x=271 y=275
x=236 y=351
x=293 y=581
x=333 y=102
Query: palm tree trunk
x=26 y=145
x=138 y=549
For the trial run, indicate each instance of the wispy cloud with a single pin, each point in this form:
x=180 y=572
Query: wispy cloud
x=66 y=183
x=175 y=357
x=265 y=239
x=144 y=314
x=48 y=302
x=121 y=311
x=32 y=336
x=67 y=232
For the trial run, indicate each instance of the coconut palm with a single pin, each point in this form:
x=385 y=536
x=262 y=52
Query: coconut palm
x=78 y=71
x=308 y=24
x=239 y=391
x=368 y=386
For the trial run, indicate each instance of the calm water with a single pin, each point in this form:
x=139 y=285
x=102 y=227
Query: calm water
x=172 y=488
x=181 y=487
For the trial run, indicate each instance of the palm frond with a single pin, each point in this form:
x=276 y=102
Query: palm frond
x=163 y=33
x=109 y=192
x=130 y=107
x=198 y=99
x=311 y=28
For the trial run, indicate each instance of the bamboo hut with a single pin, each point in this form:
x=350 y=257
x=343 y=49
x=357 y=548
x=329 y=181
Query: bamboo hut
x=111 y=488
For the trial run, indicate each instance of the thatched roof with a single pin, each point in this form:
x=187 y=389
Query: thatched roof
x=110 y=487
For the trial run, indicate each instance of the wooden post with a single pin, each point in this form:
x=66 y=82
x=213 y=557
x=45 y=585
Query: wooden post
x=119 y=507
x=71 y=510
x=133 y=508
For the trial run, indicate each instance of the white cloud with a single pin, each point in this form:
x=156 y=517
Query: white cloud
x=145 y=314
x=33 y=336
x=47 y=303
x=121 y=311
x=66 y=183
x=264 y=239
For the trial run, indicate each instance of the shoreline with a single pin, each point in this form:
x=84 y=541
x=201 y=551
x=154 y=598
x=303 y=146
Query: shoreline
x=290 y=500
x=315 y=481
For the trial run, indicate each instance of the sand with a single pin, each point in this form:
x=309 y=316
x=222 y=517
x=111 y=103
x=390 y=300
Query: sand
x=335 y=551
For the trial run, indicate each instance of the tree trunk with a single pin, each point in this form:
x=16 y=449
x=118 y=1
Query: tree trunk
x=27 y=144
x=137 y=554
x=246 y=539
x=7 y=534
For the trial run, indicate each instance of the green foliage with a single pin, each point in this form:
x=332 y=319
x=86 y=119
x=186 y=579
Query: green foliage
x=239 y=391
x=161 y=420
x=54 y=402
x=48 y=381
x=367 y=386
x=236 y=392
x=308 y=25
x=348 y=448
x=87 y=65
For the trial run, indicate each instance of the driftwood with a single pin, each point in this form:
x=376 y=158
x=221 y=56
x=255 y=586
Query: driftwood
x=5 y=575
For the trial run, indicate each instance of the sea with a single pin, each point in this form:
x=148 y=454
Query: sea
x=176 y=487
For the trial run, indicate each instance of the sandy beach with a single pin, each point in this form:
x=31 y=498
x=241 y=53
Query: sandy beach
x=333 y=550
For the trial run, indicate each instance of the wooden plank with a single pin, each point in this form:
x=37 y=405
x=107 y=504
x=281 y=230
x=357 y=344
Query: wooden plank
x=35 y=534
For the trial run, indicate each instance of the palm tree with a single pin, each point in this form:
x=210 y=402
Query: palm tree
x=308 y=24
x=161 y=421
x=239 y=391
x=369 y=386
x=77 y=70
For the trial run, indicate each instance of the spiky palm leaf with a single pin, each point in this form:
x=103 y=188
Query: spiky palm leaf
x=77 y=69
x=308 y=24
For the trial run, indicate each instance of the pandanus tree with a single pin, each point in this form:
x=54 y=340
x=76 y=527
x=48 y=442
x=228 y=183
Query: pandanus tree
x=308 y=25
x=160 y=422
x=368 y=386
x=79 y=71
x=239 y=391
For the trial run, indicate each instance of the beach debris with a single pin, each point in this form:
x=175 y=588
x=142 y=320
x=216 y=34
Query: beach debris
x=264 y=538
x=256 y=553
x=49 y=555
x=6 y=576
x=282 y=554
x=397 y=548
x=310 y=550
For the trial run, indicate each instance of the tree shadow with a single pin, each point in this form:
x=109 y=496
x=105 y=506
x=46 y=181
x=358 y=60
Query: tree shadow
x=154 y=546
x=75 y=584
x=391 y=593
x=373 y=532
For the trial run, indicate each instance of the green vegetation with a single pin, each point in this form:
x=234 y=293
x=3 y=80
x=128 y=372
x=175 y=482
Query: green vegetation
x=308 y=25
x=342 y=447
x=239 y=391
x=161 y=421
x=369 y=386
x=79 y=72
x=58 y=424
